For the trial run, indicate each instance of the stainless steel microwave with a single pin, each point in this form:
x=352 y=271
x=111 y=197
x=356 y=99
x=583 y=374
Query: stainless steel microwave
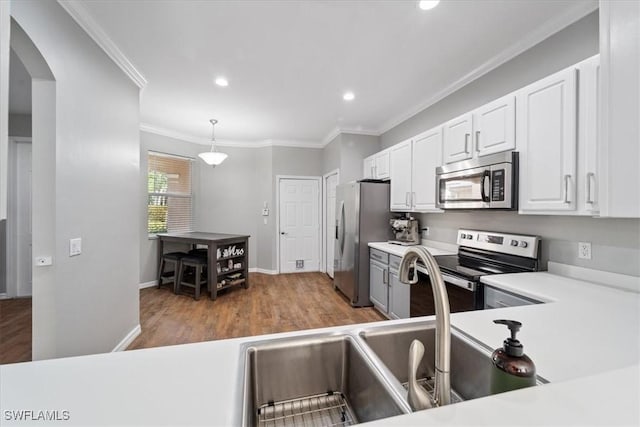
x=489 y=182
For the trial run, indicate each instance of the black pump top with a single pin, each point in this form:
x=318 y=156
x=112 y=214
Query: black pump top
x=512 y=346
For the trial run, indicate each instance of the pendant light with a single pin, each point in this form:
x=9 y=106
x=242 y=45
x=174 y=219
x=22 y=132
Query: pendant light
x=213 y=157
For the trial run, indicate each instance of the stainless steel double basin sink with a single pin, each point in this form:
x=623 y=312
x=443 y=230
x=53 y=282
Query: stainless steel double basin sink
x=353 y=377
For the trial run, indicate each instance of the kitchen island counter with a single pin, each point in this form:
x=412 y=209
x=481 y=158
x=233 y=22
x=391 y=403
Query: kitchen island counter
x=585 y=340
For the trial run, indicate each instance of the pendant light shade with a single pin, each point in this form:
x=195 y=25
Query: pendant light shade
x=213 y=157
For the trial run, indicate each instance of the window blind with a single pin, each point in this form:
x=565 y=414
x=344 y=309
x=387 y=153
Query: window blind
x=169 y=193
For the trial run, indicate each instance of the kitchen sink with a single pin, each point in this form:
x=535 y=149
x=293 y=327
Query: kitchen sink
x=470 y=361
x=315 y=380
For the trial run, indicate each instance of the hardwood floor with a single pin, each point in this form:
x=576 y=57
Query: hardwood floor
x=272 y=304
x=15 y=330
x=282 y=303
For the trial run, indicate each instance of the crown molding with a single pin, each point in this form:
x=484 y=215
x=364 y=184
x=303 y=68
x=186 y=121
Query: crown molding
x=80 y=14
x=543 y=32
x=145 y=127
x=338 y=131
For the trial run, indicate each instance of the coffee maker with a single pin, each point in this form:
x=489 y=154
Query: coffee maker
x=407 y=231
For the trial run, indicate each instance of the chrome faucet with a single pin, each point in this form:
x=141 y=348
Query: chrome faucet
x=418 y=399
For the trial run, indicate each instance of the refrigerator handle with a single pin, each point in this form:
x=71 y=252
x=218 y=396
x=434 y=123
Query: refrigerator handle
x=340 y=229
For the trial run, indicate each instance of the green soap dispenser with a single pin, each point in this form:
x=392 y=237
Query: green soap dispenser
x=512 y=369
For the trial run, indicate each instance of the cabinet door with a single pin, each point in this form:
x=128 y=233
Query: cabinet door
x=546 y=134
x=399 y=298
x=368 y=166
x=427 y=156
x=588 y=177
x=382 y=165
x=401 y=176
x=457 y=139
x=378 y=287
x=495 y=126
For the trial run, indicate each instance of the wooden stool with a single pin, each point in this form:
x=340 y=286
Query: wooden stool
x=198 y=263
x=170 y=258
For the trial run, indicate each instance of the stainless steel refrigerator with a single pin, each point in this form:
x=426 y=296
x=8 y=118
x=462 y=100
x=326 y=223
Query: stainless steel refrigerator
x=362 y=216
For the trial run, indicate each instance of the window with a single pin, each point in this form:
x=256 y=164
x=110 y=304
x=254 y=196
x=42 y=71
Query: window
x=169 y=193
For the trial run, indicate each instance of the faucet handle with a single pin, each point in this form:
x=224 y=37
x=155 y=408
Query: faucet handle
x=418 y=397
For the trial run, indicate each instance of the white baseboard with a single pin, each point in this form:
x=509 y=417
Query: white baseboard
x=128 y=339
x=606 y=278
x=262 y=270
x=4 y=296
x=150 y=284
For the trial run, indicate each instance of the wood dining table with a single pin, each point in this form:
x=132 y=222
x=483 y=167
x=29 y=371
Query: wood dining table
x=213 y=241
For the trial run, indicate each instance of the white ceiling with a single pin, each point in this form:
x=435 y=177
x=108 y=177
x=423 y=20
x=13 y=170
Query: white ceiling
x=289 y=62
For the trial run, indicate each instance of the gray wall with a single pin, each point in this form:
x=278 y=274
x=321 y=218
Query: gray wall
x=353 y=150
x=331 y=155
x=230 y=197
x=20 y=125
x=569 y=46
x=615 y=242
x=88 y=303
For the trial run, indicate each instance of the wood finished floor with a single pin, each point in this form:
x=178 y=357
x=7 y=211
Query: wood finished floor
x=15 y=330
x=282 y=303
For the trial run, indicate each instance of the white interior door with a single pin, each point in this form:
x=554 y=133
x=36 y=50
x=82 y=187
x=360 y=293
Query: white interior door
x=23 y=219
x=331 y=182
x=299 y=225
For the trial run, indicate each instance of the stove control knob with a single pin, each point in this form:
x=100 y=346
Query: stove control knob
x=463 y=236
x=469 y=236
x=523 y=244
x=514 y=243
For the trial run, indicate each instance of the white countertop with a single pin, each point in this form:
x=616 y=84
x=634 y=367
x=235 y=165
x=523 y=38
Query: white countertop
x=399 y=250
x=585 y=340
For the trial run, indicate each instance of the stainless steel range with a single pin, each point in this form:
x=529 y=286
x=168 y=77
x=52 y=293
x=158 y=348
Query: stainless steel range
x=479 y=253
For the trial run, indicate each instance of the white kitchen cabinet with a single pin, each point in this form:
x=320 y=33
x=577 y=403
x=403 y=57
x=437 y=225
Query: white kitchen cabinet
x=368 y=167
x=379 y=284
x=494 y=126
x=619 y=102
x=426 y=157
x=400 y=159
x=382 y=166
x=546 y=140
x=377 y=166
x=457 y=139
x=399 y=297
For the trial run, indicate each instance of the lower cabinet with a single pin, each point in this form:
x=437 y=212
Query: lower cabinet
x=386 y=292
x=378 y=284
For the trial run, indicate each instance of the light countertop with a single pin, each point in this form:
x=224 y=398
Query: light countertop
x=399 y=250
x=584 y=339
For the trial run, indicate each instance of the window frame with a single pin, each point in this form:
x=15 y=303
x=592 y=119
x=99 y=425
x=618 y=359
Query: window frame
x=191 y=160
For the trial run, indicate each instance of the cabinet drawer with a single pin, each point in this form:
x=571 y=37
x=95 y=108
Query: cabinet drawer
x=496 y=298
x=379 y=256
x=394 y=262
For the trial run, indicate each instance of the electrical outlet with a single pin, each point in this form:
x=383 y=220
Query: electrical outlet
x=425 y=231
x=42 y=261
x=584 y=250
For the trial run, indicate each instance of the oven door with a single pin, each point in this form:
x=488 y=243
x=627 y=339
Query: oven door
x=464 y=295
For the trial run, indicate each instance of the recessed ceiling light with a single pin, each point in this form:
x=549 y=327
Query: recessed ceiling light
x=221 y=81
x=348 y=96
x=428 y=4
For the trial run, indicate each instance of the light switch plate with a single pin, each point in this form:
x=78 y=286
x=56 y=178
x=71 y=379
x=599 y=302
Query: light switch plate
x=75 y=246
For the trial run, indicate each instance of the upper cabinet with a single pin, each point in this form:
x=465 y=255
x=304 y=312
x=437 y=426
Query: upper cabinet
x=494 y=126
x=557 y=122
x=413 y=172
x=546 y=133
x=619 y=109
x=426 y=157
x=487 y=130
x=401 y=176
x=377 y=166
x=457 y=139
